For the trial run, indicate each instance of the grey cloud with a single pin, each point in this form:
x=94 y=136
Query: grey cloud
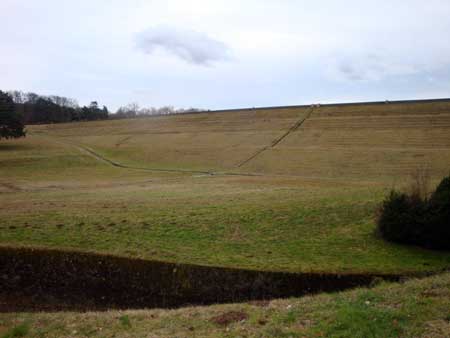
x=191 y=46
x=350 y=72
x=373 y=67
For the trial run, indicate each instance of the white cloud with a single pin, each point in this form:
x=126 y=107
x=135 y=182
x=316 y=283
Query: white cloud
x=189 y=45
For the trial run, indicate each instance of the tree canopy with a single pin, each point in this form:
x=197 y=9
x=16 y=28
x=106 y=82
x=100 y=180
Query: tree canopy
x=11 y=125
x=37 y=109
x=44 y=109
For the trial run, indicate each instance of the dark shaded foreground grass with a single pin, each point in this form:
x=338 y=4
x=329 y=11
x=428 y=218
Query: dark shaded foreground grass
x=34 y=280
x=416 y=308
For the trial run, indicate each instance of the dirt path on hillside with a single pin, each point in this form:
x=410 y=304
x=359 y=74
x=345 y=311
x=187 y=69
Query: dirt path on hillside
x=275 y=142
x=101 y=158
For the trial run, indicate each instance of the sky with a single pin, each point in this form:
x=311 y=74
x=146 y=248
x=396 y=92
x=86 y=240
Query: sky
x=217 y=54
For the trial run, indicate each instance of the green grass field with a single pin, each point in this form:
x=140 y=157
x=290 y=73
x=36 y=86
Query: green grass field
x=307 y=203
x=279 y=190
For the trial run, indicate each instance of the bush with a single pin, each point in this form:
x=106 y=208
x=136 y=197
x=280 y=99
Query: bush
x=414 y=219
x=438 y=223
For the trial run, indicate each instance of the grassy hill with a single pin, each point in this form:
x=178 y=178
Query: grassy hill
x=377 y=141
x=285 y=189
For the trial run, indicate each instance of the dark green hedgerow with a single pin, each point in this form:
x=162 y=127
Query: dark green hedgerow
x=412 y=219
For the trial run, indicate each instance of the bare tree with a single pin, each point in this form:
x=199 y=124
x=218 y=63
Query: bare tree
x=18 y=96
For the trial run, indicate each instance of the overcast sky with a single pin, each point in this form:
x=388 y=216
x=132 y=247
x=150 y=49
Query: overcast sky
x=225 y=54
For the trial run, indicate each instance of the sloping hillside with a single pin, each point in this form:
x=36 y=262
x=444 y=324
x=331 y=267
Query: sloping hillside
x=294 y=189
x=356 y=141
x=376 y=141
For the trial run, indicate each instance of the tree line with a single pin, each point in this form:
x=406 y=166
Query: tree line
x=39 y=109
x=133 y=110
x=18 y=109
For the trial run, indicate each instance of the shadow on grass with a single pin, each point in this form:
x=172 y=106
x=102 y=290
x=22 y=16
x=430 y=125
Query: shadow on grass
x=55 y=280
x=5 y=146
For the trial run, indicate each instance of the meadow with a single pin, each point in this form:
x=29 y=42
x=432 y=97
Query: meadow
x=289 y=189
x=171 y=188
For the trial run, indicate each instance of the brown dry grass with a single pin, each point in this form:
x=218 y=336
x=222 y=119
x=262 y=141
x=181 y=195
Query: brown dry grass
x=356 y=141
